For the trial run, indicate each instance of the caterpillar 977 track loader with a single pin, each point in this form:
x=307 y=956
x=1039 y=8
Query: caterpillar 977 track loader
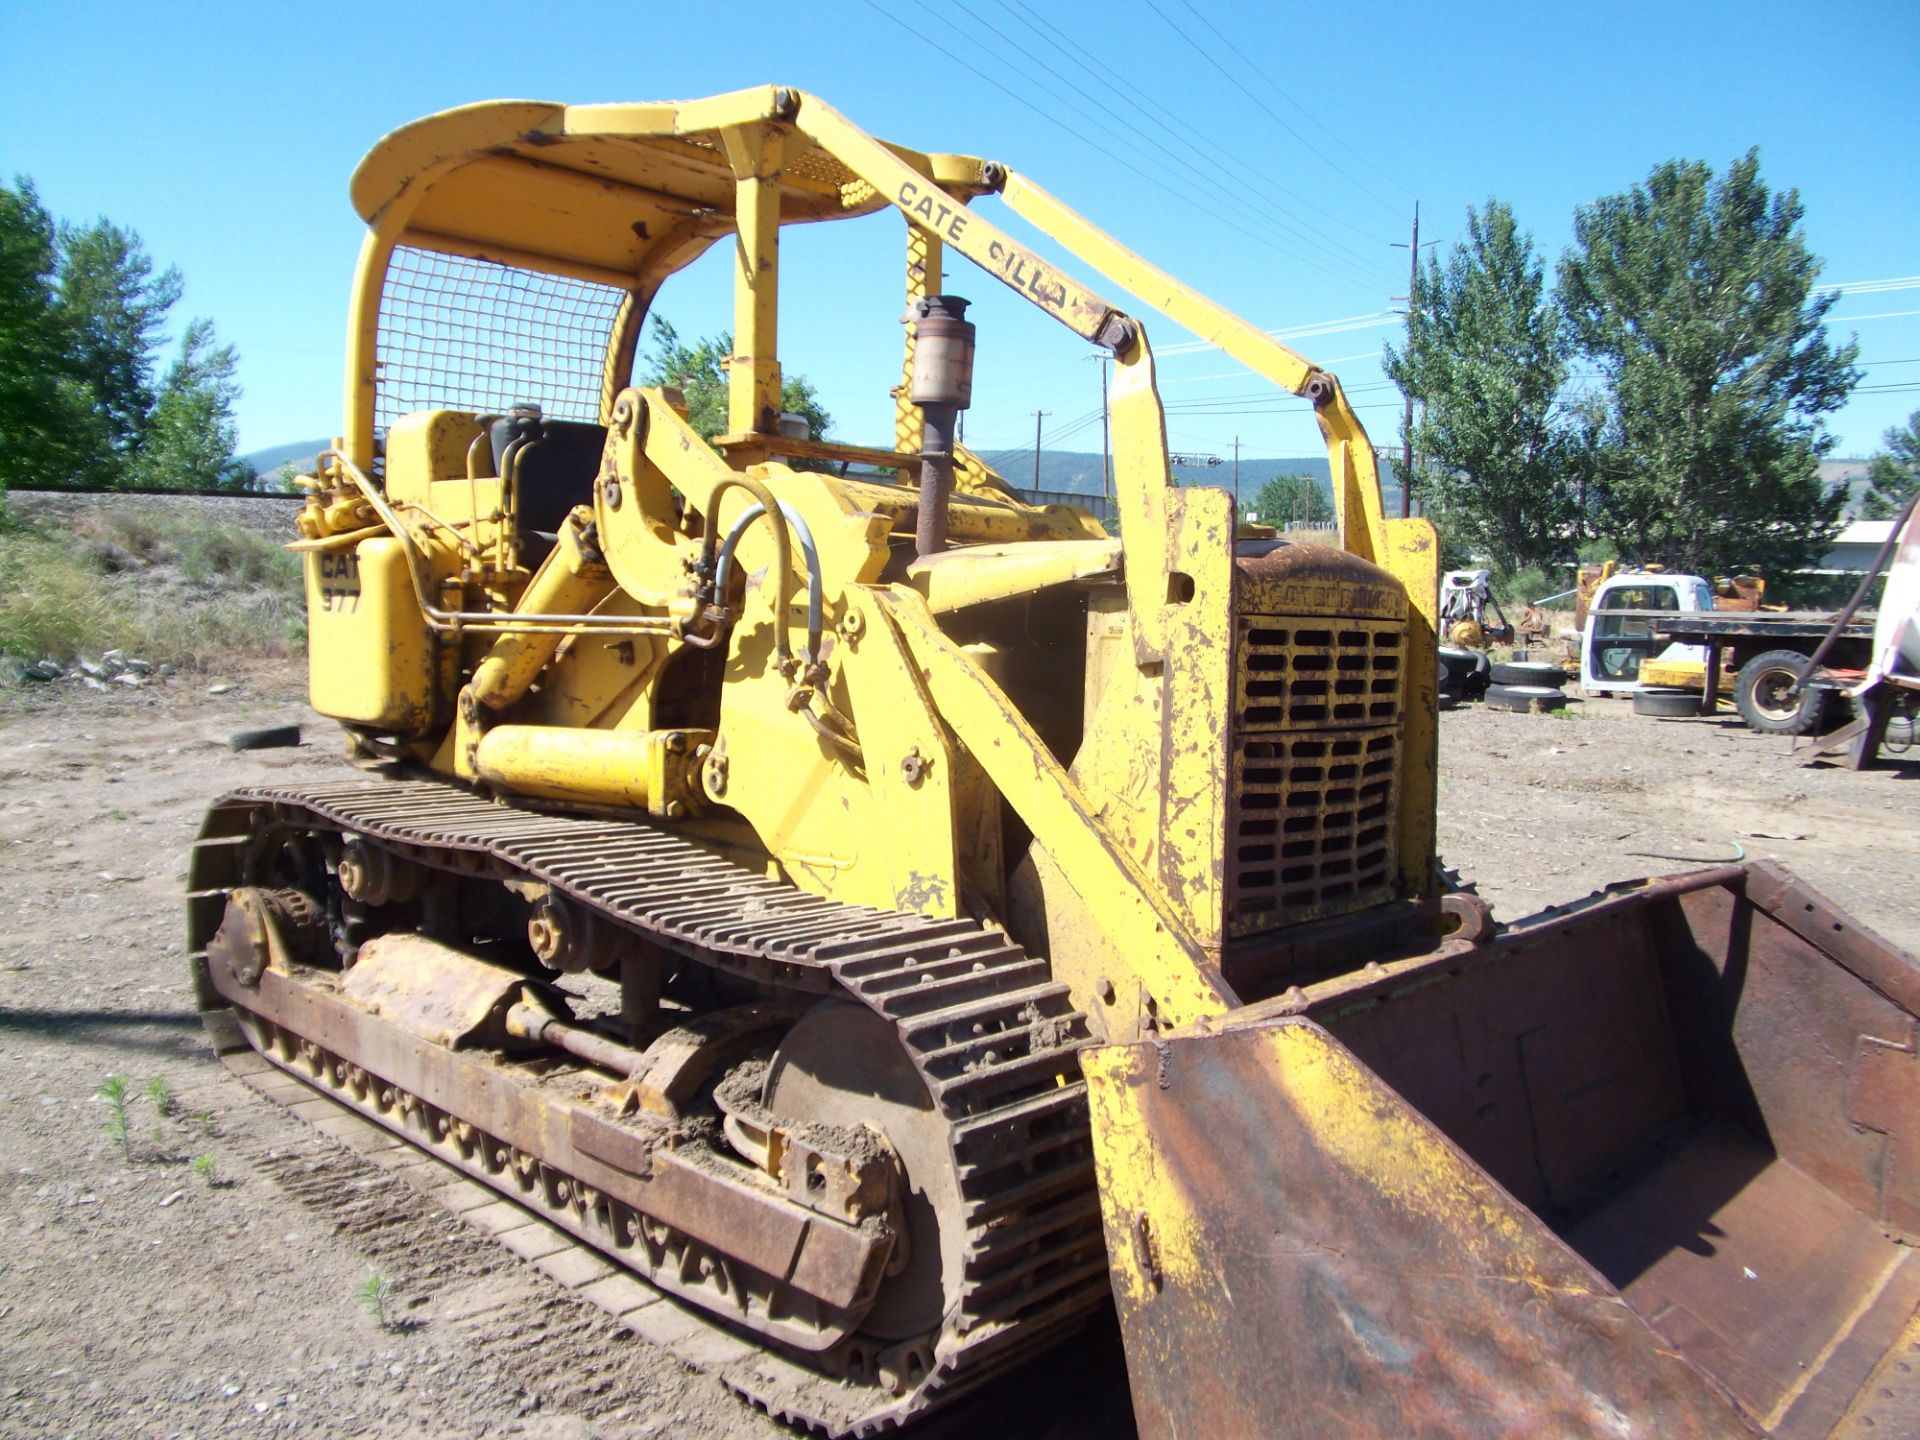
x=893 y=920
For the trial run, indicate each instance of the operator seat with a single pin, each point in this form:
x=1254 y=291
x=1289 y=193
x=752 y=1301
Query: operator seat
x=551 y=466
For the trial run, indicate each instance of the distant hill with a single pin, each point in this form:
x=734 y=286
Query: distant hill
x=1072 y=471
x=1079 y=473
x=300 y=453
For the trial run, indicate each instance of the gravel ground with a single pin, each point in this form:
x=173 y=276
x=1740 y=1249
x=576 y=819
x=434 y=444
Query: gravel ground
x=138 y=1299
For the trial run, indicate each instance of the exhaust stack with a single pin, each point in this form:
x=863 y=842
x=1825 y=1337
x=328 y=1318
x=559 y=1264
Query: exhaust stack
x=942 y=387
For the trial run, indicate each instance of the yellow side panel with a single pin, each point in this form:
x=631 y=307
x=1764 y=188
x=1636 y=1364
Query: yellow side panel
x=370 y=654
x=426 y=446
x=1682 y=675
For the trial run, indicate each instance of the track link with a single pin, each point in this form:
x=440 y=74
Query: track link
x=993 y=1037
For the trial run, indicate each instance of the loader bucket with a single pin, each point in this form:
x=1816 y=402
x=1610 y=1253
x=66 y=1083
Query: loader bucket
x=1649 y=1166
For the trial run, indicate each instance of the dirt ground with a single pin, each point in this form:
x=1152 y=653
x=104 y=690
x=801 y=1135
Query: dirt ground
x=142 y=1297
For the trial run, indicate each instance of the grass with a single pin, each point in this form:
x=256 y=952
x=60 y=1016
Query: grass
x=166 y=588
x=117 y=1092
x=375 y=1293
x=113 y=1090
x=160 y=1096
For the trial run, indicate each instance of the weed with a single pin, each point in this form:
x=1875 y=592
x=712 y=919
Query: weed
x=160 y=1096
x=203 y=1167
x=116 y=815
x=168 y=589
x=236 y=557
x=205 y=1121
x=374 y=1294
x=113 y=1090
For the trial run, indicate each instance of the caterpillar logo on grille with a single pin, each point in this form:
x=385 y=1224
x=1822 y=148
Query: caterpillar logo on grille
x=1315 y=768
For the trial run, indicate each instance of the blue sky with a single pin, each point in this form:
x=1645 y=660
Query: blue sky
x=1295 y=139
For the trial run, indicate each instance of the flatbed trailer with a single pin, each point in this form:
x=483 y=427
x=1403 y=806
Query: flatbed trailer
x=1747 y=634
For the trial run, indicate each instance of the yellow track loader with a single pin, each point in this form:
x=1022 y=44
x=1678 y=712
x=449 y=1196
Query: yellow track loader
x=891 y=920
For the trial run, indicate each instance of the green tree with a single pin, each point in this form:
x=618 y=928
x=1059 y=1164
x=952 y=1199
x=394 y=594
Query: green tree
x=1285 y=500
x=49 y=433
x=116 y=312
x=1694 y=296
x=699 y=371
x=1894 y=474
x=190 y=432
x=1484 y=358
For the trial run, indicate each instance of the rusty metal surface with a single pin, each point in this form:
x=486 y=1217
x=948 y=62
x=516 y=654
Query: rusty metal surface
x=758 y=1226
x=1274 y=577
x=1799 y=1024
x=1767 y=1280
x=994 y=1039
x=1705 y=1085
x=684 y=1059
x=1887 y=1407
x=427 y=988
x=1297 y=1253
x=1708 y=1085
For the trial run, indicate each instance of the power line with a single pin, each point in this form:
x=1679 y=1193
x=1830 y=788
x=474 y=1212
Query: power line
x=1372 y=321
x=1105 y=74
x=1334 y=253
x=1872 y=287
x=1289 y=410
x=1278 y=398
x=1268 y=110
x=1331 y=133
x=1854 y=319
x=1095 y=145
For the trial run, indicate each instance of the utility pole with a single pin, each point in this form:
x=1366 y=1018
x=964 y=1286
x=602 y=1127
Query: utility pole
x=1106 y=436
x=1413 y=310
x=1038 y=416
x=1236 y=480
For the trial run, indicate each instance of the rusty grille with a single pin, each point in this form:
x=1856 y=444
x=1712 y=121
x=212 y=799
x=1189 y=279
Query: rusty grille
x=1316 y=671
x=1316 y=748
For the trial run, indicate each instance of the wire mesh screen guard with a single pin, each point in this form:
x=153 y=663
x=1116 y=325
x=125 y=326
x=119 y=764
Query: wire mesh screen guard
x=463 y=334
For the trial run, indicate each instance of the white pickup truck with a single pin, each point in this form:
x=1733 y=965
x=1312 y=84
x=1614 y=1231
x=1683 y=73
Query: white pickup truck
x=1620 y=635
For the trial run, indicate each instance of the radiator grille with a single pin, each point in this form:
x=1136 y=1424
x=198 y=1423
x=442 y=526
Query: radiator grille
x=1316 y=743
x=1317 y=672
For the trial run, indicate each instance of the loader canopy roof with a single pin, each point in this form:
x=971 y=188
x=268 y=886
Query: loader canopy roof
x=604 y=191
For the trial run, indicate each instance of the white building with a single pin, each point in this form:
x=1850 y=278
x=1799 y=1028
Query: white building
x=1856 y=547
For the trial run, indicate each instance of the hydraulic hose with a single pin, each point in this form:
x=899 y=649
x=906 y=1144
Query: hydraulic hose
x=782 y=552
x=723 y=569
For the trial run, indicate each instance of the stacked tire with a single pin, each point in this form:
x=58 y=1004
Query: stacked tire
x=1526 y=686
x=1666 y=702
x=1463 y=675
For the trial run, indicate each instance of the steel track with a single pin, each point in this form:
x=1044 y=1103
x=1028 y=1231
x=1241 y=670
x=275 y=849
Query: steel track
x=993 y=1039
